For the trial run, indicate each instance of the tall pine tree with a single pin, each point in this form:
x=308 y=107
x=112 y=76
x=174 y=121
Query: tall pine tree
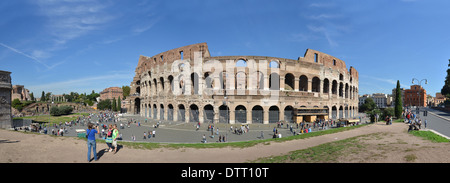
x=114 y=105
x=43 y=97
x=398 y=101
x=119 y=107
x=446 y=88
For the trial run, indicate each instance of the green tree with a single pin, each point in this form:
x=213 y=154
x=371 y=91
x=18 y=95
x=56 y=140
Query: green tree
x=16 y=104
x=32 y=96
x=114 y=105
x=368 y=105
x=446 y=88
x=104 y=105
x=126 y=91
x=43 y=97
x=398 y=101
x=119 y=105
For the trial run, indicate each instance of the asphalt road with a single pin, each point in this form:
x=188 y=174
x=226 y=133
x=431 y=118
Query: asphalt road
x=437 y=120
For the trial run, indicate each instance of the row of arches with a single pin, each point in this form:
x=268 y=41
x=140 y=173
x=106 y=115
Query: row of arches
x=238 y=114
x=258 y=80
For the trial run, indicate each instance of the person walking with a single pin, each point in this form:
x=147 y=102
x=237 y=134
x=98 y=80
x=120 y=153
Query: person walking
x=426 y=123
x=91 y=141
x=115 y=135
x=108 y=139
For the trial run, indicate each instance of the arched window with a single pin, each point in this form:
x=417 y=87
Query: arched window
x=334 y=87
x=289 y=81
x=274 y=81
x=274 y=64
x=303 y=85
x=315 y=84
x=241 y=63
x=326 y=86
x=241 y=81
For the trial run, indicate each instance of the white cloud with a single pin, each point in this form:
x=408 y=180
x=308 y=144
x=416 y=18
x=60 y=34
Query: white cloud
x=70 y=19
x=321 y=5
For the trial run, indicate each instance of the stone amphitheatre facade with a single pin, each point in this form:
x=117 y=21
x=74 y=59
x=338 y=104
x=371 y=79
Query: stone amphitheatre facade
x=188 y=84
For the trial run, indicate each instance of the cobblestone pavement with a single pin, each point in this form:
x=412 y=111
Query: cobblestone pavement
x=180 y=132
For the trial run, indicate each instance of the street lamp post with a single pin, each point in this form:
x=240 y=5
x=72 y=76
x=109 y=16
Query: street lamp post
x=426 y=82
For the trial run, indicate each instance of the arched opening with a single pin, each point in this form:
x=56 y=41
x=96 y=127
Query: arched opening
x=241 y=63
x=170 y=112
x=303 y=83
x=208 y=80
x=341 y=112
x=274 y=81
x=257 y=114
x=315 y=84
x=274 y=114
x=334 y=87
x=161 y=112
x=194 y=83
x=171 y=83
x=137 y=106
x=346 y=90
x=161 y=80
x=181 y=113
x=289 y=114
x=341 y=89
x=224 y=114
x=346 y=112
x=240 y=114
x=193 y=113
x=156 y=86
x=241 y=81
x=289 y=81
x=208 y=114
x=326 y=86
x=155 y=111
x=274 y=64
x=260 y=80
x=334 y=112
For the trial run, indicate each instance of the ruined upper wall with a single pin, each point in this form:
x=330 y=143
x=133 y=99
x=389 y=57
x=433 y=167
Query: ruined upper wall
x=185 y=52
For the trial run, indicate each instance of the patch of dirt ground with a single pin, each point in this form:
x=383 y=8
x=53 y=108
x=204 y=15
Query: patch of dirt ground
x=377 y=143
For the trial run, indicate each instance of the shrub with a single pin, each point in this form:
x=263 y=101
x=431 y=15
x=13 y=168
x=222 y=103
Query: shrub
x=62 y=110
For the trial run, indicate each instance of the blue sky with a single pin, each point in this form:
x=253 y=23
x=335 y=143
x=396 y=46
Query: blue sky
x=61 y=46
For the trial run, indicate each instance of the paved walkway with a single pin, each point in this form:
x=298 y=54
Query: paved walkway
x=21 y=147
x=180 y=132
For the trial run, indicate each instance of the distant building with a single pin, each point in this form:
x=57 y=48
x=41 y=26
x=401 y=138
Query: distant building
x=380 y=99
x=20 y=92
x=362 y=99
x=439 y=99
x=416 y=96
x=110 y=93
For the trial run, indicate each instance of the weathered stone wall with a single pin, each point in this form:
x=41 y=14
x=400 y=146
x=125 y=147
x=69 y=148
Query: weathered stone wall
x=5 y=99
x=242 y=89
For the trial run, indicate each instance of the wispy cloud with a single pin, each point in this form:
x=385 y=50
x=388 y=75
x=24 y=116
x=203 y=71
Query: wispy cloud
x=146 y=26
x=321 y=5
x=390 y=81
x=70 y=19
x=33 y=58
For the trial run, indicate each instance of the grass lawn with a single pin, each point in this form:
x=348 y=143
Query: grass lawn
x=243 y=144
x=429 y=135
x=53 y=119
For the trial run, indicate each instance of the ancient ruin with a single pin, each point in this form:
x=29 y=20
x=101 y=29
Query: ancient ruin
x=188 y=84
x=5 y=99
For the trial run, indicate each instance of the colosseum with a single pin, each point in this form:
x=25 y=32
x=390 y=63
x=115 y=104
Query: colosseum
x=187 y=84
